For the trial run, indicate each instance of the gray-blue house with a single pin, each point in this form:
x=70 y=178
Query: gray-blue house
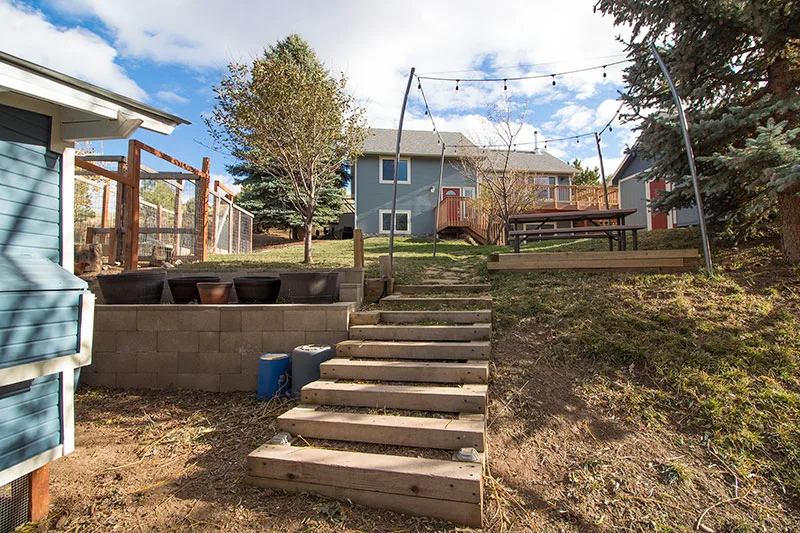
x=636 y=193
x=417 y=190
x=46 y=313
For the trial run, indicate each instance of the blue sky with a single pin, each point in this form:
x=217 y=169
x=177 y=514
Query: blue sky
x=171 y=54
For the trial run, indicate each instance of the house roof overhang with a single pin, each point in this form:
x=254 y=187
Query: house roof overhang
x=88 y=112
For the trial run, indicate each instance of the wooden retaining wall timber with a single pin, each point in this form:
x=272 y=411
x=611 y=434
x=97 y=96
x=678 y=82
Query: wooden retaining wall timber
x=683 y=260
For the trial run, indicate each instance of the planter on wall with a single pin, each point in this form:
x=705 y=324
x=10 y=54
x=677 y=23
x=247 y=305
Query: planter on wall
x=214 y=292
x=257 y=289
x=137 y=287
x=310 y=287
x=184 y=290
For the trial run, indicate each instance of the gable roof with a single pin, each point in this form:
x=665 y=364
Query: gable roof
x=383 y=141
x=84 y=101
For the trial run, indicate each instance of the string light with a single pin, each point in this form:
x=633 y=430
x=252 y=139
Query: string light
x=604 y=71
x=457 y=84
x=505 y=85
x=419 y=85
x=554 y=80
x=531 y=77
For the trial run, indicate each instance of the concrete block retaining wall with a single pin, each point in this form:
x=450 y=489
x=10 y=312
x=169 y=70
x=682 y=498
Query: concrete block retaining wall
x=202 y=347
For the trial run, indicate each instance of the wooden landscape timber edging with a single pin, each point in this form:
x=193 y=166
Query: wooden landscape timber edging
x=635 y=260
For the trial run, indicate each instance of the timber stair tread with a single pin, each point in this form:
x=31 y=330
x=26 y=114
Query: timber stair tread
x=400 y=370
x=371 y=318
x=410 y=431
x=414 y=349
x=416 y=332
x=430 y=487
x=463 y=399
x=429 y=301
x=442 y=287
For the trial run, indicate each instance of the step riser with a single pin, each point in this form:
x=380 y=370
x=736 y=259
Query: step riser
x=444 y=351
x=421 y=333
x=456 y=401
x=468 y=514
x=455 y=317
x=444 y=439
x=427 y=303
x=422 y=289
x=431 y=373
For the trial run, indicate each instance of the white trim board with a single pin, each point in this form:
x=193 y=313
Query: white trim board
x=26 y=467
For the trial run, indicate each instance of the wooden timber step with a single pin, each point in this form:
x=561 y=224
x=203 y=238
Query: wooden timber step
x=462 y=332
x=413 y=431
x=442 y=287
x=455 y=351
x=465 y=399
x=412 y=371
x=449 y=301
x=448 y=490
x=372 y=318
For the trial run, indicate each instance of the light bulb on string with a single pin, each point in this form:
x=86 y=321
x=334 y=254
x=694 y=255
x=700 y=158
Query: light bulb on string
x=554 y=79
x=610 y=128
x=419 y=85
x=457 y=84
x=426 y=112
x=578 y=140
x=505 y=85
x=604 y=71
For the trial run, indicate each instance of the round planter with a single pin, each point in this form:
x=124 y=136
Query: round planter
x=257 y=289
x=214 y=292
x=310 y=287
x=184 y=290
x=137 y=287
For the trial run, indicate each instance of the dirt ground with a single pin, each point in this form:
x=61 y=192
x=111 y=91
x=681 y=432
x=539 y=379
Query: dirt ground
x=559 y=461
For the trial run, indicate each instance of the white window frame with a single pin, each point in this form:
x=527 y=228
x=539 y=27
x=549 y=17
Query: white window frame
x=465 y=189
x=390 y=179
x=381 y=212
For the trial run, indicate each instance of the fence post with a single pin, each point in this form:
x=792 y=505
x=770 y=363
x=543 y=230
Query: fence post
x=213 y=243
x=201 y=208
x=358 y=248
x=132 y=215
x=178 y=216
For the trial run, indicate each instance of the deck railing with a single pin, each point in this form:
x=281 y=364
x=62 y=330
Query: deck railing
x=580 y=197
x=462 y=212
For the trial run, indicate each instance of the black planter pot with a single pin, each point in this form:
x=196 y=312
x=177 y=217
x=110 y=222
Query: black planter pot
x=184 y=290
x=257 y=289
x=310 y=287
x=138 y=287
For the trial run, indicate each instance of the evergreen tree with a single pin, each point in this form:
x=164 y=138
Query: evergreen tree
x=587 y=176
x=289 y=120
x=736 y=65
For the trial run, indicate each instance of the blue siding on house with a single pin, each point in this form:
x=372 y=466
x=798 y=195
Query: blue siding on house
x=30 y=185
x=373 y=196
x=30 y=420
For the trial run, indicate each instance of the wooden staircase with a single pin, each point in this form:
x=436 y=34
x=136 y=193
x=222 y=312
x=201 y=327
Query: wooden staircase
x=383 y=425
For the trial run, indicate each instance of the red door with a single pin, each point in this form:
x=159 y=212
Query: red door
x=453 y=206
x=659 y=221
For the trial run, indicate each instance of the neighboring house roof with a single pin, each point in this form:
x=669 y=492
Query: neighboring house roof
x=90 y=112
x=381 y=141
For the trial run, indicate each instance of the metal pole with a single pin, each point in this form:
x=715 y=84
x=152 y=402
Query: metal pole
x=396 y=171
x=602 y=169
x=438 y=202
x=690 y=155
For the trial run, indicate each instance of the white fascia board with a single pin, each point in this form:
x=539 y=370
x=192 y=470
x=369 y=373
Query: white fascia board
x=30 y=84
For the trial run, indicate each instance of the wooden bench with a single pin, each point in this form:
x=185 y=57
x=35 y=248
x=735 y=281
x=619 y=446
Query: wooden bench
x=612 y=233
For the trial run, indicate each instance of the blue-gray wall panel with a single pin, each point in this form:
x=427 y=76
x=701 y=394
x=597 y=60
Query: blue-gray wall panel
x=30 y=421
x=632 y=194
x=372 y=196
x=30 y=177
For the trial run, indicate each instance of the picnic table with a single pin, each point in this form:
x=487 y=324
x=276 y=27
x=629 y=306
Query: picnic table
x=613 y=227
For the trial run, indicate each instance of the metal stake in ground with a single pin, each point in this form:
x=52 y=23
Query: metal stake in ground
x=396 y=172
x=690 y=155
x=438 y=200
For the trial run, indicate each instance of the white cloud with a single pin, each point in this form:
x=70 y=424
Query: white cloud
x=74 y=51
x=171 y=97
x=227 y=181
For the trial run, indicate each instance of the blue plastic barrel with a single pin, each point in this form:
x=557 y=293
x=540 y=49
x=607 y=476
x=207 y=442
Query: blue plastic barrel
x=273 y=375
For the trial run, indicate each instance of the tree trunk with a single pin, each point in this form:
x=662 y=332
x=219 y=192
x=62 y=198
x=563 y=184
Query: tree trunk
x=307 y=243
x=789 y=212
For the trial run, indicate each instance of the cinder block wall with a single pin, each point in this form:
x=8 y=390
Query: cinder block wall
x=202 y=347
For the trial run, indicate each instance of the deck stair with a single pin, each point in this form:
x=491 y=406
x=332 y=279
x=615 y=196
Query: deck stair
x=406 y=380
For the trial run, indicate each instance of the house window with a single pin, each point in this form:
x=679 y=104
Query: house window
x=402 y=224
x=386 y=170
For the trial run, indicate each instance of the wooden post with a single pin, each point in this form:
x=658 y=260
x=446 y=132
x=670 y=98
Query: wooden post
x=358 y=248
x=132 y=216
x=214 y=242
x=178 y=216
x=89 y=235
x=159 y=220
x=230 y=227
x=201 y=208
x=39 y=495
